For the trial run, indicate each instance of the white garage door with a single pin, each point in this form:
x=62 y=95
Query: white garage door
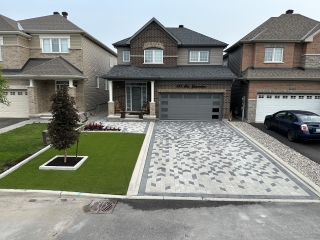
x=271 y=103
x=18 y=107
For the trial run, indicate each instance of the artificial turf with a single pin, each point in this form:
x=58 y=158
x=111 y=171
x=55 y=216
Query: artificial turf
x=20 y=143
x=112 y=157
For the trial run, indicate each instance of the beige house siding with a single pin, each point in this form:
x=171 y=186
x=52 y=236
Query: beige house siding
x=96 y=61
x=35 y=42
x=15 y=52
x=215 y=56
x=75 y=41
x=120 y=56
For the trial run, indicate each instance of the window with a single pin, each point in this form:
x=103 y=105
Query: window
x=106 y=85
x=19 y=93
x=1 y=43
x=126 y=56
x=273 y=55
x=12 y=93
x=53 y=45
x=153 y=56
x=199 y=56
x=61 y=83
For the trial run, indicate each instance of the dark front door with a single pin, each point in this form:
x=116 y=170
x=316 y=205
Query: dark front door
x=136 y=98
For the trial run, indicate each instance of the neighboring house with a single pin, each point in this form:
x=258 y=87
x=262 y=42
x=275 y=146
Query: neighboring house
x=278 y=65
x=40 y=54
x=176 y=71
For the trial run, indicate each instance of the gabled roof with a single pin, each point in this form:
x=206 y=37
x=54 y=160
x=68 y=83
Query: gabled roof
x=46 y=67
x=51 y=22
x=47 y=24
x=183 y=36
x=146 y=25
x=7 y=24
x=285 y=28
x=195 y=73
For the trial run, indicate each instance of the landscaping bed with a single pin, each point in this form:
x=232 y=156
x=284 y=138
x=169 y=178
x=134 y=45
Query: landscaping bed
x=108 y=169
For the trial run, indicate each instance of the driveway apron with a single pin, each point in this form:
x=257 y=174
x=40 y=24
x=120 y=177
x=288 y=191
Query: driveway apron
x=213 y=160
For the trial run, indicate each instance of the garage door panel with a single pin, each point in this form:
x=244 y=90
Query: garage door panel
x=190 y=106
x=18 y=108
x=278 y=102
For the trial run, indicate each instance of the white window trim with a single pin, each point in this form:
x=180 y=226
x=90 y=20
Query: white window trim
x=199 y=56
x=123 y=56
x=106 y=85
x=144 y=59
x=1 y=43
x=97 y=82
x=273 y=61
x=50 y=36
x=110 y=61
x=56 y=85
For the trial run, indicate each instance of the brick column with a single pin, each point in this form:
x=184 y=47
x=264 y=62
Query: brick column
x=33 y=100
x=110 y=103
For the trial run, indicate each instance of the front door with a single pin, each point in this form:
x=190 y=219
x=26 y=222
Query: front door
x=136 y=98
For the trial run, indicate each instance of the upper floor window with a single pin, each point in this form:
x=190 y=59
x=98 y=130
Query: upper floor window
x=273 y=55
x=126 y=56
x=59 y=84
x=199 y=56
x=153 y=56
x=1 y=43
x=54 y=43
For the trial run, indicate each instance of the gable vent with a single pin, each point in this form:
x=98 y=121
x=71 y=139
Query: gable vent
x=290 y=11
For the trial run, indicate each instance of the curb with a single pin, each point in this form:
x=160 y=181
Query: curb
x=135 y=181
x=311 y=185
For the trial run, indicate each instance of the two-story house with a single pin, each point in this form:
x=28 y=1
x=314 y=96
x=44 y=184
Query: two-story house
x=40 y=54
x=278 y=65
x=176 y=71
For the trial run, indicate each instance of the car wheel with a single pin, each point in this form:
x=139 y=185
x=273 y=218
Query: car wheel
x=291 y=135
x=267 y=124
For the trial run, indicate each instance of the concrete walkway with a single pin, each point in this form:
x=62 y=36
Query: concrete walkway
x=213 y=160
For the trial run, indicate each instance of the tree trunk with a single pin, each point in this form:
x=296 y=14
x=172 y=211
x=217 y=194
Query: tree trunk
x=65 y=155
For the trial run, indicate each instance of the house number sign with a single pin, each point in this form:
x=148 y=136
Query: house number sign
x=190 y=86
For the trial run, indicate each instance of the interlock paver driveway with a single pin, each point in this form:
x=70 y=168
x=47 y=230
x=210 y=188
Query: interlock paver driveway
x=211 y=159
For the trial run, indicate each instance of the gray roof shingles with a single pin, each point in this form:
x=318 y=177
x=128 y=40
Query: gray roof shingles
x=170 y=73
x=50 y=22
x=186 y=37
x=289 y=74
x=7 y=24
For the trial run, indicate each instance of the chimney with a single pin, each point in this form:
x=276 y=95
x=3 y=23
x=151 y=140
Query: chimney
x=65 y=14
x=181 y=26
x=55 y=13
x=289 y=11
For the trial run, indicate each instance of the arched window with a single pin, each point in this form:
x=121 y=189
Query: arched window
x=153 y=56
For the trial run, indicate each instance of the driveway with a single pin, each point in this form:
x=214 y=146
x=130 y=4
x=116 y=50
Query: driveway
x=5 y=122
x=310 y=149
x=213 y=160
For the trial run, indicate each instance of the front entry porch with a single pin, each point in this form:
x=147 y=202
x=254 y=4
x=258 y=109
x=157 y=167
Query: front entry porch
x=131 y=100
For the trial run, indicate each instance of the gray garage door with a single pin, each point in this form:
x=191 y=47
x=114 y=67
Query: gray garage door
x=190 y=106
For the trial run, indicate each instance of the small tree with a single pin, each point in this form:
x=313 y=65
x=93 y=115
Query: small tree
x=62 y=127
x=3 y=86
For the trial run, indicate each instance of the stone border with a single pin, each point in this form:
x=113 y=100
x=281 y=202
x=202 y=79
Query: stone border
x=10 y=170
x=75 y=167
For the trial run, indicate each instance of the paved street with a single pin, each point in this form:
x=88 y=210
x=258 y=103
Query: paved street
x=30 y=216
x=212 y=160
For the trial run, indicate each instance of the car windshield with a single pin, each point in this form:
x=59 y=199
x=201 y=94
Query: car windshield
x=309 y=118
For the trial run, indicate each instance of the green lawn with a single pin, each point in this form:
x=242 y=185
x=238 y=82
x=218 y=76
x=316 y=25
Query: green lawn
x=20 y=143
x=112 y=157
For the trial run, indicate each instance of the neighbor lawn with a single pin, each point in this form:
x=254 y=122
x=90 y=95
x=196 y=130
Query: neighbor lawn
x=112 y=157
x=20 y=143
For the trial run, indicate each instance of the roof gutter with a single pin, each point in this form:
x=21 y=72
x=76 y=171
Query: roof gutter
x=44 y=77
x=16 y=32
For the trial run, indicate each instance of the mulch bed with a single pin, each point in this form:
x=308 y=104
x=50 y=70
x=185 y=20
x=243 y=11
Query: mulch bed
x=59 y=161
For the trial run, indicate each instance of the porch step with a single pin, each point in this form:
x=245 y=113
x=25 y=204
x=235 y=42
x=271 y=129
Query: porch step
x=46 y=116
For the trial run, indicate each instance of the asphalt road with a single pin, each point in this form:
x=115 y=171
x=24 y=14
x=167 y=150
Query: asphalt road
x=37 y=216
x=310 y=149
x=5 y=122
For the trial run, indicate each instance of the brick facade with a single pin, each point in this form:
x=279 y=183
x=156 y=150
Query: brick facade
x=153 y=34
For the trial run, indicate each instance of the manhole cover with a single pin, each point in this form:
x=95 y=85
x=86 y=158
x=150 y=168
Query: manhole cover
x=100 y=206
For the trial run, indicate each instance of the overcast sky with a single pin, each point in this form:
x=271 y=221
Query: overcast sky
x=113 y=20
